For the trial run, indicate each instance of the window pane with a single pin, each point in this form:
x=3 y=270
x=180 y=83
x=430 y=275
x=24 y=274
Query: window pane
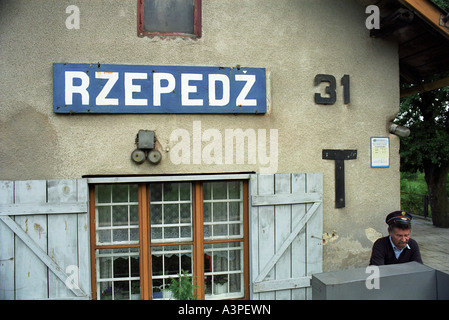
x=169 y=15
x=170 y=191
x=171 y=233
x=120 y=235
x=156 y=234
x=184 y=191
x=103 y=236
x=207 y=191
x=121 y=267
x=171 y=212
x=186 y=213
x=235 y=229
x=134 y=235
x=104 y=216
x=234 y=190
x=117 y=214
x=219 y=190
x=207 y=212
x=119 y=193
x=156 y=214
x=134 y=215
x=207 y=231
x=133 y=193
x=156 y=192
x=119 y=277
x=220 y=230
x=106 y=289
x=167 y=262
x=220 y=211
x=235 y=211
x=103 y=193
x=186 y=232
x=223 y=270
x=235 y=283
x=121 y=290
x=223 y=210
x=120 y=215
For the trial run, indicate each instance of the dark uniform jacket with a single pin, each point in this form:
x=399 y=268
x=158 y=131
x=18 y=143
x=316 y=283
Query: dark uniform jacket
x=383 y=253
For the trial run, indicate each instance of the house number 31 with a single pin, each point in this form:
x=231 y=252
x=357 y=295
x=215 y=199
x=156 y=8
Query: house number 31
x=331 y=94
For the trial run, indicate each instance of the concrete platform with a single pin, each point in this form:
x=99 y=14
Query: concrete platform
x=433 y=243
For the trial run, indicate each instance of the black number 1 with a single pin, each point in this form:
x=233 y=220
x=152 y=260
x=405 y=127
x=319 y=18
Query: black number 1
x=330 y=89
x=345 y=84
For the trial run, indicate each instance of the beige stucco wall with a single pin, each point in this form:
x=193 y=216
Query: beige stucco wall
x=294 y=40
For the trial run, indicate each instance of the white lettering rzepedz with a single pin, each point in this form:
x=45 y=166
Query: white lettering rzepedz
x=95 y=88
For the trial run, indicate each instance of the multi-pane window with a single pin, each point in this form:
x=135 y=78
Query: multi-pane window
x=171 y=229
x=223 y=221
x=222 y=210
x=118 y=274
x=224 y=270
x=117 y=214
x=171 y=212
x=145 y=234
x=169 y=17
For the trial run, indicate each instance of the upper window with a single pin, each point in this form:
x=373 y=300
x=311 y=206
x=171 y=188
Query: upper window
x=145 y=234
x=169 y=17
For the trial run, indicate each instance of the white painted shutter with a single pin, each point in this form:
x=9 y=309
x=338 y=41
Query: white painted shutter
x=286 y=232
x=44 y=236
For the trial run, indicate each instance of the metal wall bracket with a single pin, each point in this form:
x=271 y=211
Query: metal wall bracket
x=339 y=156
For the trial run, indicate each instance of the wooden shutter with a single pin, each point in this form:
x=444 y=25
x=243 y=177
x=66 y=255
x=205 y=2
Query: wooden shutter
x=44 y=236
x=286 y=232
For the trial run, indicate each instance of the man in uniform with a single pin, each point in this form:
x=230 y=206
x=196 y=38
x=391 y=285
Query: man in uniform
x=397 y=247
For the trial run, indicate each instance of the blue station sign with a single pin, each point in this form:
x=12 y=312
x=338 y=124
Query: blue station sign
x=109 y=88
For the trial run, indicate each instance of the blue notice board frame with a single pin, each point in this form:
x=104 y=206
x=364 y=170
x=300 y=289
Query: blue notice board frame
x=380 y=152
x=110 y=88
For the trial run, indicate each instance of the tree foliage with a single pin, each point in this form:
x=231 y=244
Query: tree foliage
x=427 y=117
x=443 y=4
x=427 y=148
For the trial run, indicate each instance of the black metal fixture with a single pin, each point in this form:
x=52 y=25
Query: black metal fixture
x=145 y=148
x=339 y=156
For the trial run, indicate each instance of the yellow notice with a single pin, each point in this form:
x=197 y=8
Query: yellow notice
x=380 y=152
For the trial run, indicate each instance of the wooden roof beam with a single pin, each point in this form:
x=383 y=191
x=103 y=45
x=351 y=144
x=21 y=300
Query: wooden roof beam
x=424 y=87
x=394 y=21
x=430 y=13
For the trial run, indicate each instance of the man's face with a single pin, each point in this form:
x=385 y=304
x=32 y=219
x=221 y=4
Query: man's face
x=400 y=237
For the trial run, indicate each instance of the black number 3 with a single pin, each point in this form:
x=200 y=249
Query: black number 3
x=330 y=89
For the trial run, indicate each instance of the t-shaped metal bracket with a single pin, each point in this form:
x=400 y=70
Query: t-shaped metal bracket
x=339 y=156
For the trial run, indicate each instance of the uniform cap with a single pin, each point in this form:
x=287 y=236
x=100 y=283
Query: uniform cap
x=398 y=216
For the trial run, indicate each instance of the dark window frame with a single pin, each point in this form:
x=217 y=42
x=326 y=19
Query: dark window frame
x=197 y=29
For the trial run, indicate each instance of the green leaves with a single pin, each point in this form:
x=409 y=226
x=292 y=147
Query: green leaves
x=427 y=116
x=443 y=4
x=182 y=287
